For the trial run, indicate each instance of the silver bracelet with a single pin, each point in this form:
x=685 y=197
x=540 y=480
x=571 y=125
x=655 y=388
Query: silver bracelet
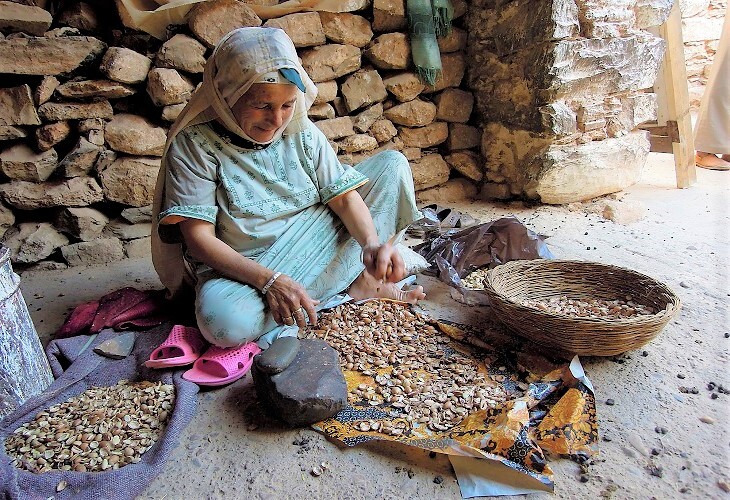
x=270 y=282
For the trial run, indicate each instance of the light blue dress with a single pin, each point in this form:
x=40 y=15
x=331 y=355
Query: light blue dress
x=270 y=205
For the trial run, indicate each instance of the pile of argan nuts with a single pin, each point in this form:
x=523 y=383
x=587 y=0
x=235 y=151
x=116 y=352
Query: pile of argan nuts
x=475 y=279
x=591 y=308
x=407 y=367
x=102 y=428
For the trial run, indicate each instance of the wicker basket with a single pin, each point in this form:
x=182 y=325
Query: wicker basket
x=509 y=284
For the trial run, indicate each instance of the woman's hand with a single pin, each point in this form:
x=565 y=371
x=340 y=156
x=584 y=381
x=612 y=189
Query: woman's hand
x=290 y=303
x=383 y=262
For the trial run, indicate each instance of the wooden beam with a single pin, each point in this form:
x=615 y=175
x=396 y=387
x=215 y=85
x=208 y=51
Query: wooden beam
x=673 y=83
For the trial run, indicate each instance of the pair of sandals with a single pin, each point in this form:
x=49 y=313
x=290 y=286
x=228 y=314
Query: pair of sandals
x=437 y=220
x=215 y=367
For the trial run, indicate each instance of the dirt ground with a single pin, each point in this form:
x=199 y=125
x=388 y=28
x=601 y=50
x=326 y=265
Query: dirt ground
x=231 y=450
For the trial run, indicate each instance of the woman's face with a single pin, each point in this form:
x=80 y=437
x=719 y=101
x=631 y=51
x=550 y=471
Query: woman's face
x=262 y=110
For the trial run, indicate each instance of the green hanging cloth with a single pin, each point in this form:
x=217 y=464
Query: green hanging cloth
x=443 y=14
x=426 y=20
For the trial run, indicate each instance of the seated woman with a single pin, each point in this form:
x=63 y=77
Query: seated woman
x=255 y=210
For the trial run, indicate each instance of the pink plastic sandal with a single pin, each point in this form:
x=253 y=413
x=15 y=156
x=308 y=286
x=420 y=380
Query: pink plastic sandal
x=221 y=366
x=182 y=346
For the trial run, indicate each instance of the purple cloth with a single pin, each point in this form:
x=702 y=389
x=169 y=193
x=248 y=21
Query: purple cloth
x=77 y=368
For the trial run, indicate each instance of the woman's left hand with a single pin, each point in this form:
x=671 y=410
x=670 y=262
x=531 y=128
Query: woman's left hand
x=384 y=262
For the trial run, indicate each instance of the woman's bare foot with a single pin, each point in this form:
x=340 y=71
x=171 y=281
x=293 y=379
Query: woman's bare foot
x=367 y=287
x=711 y=161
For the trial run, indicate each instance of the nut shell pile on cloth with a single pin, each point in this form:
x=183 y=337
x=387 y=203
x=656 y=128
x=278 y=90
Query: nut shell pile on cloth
x=439 y=386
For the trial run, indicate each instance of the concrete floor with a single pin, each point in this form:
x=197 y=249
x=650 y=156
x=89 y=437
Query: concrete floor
x=230 y=449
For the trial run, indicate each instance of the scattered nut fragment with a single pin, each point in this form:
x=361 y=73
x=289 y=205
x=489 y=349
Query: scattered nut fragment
x=61 y=485
x=405 y=364
x=317 y=471
x=475 y=279
x=100 y=429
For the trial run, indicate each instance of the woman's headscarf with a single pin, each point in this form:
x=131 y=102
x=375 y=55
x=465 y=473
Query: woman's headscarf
x=238 y=61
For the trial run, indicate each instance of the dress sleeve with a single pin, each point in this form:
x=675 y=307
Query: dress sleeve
x=190 y=185
x=333 y=178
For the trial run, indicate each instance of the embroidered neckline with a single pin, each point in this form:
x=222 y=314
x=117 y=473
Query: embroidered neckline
x=234 y=139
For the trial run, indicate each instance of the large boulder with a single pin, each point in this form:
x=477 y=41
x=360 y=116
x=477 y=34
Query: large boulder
x=575 y=173
x=183 y=53
x=83 y=223
x=33 y=241
x=363 y=88
x=415 y=113
x=347 y=29
x=93 y=253
x=429 y=171
x=125 y=65
x=390 y=51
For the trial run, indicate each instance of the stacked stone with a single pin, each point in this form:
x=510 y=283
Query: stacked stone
x=560 y=87
x=84 y=117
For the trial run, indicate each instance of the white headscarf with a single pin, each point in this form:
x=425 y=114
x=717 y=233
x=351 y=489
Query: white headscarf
x=238 y=61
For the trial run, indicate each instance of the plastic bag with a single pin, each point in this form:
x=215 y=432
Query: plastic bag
x=458 y=252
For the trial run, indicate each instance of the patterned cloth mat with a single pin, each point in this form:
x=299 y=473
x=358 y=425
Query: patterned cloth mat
x=537 y=407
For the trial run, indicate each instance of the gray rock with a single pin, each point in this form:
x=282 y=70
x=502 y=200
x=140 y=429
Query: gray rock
x=107 y=89
x=311 y=389
x=15 y=17
x=17 y=106
x=22 y=163
x=93 y=253
x=83 y=223
x=58 y=111
x=118 y=347
x=124 y=231
x=278 y=356
x=80 y=160
x=75 y=192
x=10 y=133
x=130 y=180
x=47 y=56
x=182 y=52
x=33 y=241
x=138 y=214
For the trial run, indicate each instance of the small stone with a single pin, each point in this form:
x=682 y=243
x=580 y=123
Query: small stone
x=438 y=479
x=278 y=356
x=644 y=353
x=684 y=284
x=680 y=376
x=655 y=470
x=661 y=430
x=656 y=452
x=583 y=478
x=118 y=347
x=610 y=402
x=707 y=420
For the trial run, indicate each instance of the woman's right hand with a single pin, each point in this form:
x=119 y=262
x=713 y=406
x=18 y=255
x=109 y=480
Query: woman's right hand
x=290 y=303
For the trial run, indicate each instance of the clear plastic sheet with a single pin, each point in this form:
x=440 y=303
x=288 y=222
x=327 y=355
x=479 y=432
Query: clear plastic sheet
x=456 y=253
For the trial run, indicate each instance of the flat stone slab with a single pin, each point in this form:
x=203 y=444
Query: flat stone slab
x=312 y=388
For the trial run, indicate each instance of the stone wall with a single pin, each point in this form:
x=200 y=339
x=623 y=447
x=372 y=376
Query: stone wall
x=85 y=105
x=701 y=28
x=560 y=88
